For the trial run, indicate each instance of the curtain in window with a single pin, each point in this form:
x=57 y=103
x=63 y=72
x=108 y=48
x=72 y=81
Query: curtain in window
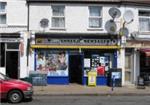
x=58 y=10
x=58 y=19
x=144 y=24
x=58 y=22
x=95 y=11
x=2 y=19
x=95 y=17
x=95 y=22
x=2 y=6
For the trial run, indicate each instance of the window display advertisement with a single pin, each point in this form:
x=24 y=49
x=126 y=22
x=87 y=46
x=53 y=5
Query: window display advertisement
x=55 y=63
x=98 y=63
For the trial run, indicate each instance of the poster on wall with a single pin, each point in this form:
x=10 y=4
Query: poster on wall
x=87 y=62
x=102 y=60
x=55 y=63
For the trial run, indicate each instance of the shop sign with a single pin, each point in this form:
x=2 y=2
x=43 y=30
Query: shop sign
x=77 y=41
x=138 y=45
x=9 y=39
x=92 y=78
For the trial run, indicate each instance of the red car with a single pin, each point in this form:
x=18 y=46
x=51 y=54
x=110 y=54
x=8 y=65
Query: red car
x=14 y=90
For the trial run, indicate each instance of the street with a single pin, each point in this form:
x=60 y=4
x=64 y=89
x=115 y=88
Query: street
x=86 y=100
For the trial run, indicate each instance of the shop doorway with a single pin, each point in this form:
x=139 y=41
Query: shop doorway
x=75 y=68
x=128 y=68
x=145 y=66
x=12 y=64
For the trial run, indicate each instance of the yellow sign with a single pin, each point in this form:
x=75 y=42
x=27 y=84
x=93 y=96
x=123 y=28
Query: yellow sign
x=92 y=78
x=75 y=47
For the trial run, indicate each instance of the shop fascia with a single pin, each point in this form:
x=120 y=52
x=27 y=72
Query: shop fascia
x=10 y=39
x=77 y=41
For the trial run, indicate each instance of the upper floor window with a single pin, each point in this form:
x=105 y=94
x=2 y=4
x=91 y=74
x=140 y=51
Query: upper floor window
x=144 y=21
x=2 y=12
x=58 y=16
x=95 y=17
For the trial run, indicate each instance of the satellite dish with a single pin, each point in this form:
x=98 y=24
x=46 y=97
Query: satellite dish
x=124 y=31
x=128 y=16
x=44 y=23
x=114 y=13
x=111 y=26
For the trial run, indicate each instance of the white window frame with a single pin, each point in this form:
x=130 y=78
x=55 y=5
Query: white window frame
x=144 y=17
x=95 y=17
x=58 y=28
x=3 y=12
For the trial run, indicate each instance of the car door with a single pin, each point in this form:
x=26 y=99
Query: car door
x=2 y=91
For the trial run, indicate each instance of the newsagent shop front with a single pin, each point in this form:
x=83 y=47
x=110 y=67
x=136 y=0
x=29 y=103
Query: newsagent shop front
x=68 y=59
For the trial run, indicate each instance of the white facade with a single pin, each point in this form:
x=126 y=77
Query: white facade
x=16 y=22
x=16 y=16
x=76 y=21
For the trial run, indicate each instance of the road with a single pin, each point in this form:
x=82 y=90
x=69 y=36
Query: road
x=86 y=100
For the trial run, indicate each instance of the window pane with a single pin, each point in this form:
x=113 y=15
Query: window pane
x=95 y=22
x=144 y=24
x=58 y=10
x=12 y=45
x=2 y=6
x=144 y=13
x=58 y=22
x=147 y=61
x=2 y=19
x=95 y=11
x=128 y=62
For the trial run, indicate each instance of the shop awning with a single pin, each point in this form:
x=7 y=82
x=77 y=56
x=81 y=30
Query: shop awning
x=146 y=51
x=74 y=47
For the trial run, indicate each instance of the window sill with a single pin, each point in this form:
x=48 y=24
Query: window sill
x=3 y=25
x=94 y=29
x=144 y=32
x=61 y=29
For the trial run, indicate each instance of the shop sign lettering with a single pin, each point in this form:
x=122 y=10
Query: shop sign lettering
x=77 y=41
x=9 y=40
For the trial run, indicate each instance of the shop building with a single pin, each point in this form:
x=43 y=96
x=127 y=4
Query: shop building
x=13 y=24
x=57 y=28
x=68 y=58
x=67 y=44
x=137 y=46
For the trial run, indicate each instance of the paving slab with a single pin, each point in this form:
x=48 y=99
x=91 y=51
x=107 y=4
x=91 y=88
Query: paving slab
x=75 y=89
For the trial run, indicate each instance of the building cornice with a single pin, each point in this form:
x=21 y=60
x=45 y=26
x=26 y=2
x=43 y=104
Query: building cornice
x=123 y=2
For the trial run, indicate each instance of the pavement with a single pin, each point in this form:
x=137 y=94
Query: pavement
x=75 y=89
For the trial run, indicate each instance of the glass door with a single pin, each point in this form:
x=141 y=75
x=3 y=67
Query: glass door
x=128 y=70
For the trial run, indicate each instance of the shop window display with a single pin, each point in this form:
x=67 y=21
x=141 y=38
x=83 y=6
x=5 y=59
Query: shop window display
x=55 y=63
x=98 y=63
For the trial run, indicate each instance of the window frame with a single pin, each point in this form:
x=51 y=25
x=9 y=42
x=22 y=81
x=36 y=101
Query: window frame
x=95 y=17
x=144 y=17
x=58 y=17
x=3 y=12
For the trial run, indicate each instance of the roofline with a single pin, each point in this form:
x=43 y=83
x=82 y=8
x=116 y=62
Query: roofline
x=72 y=2
x=135 y=3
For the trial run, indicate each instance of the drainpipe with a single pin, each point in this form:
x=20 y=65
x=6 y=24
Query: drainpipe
x=28 y=13
x=28 y=39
